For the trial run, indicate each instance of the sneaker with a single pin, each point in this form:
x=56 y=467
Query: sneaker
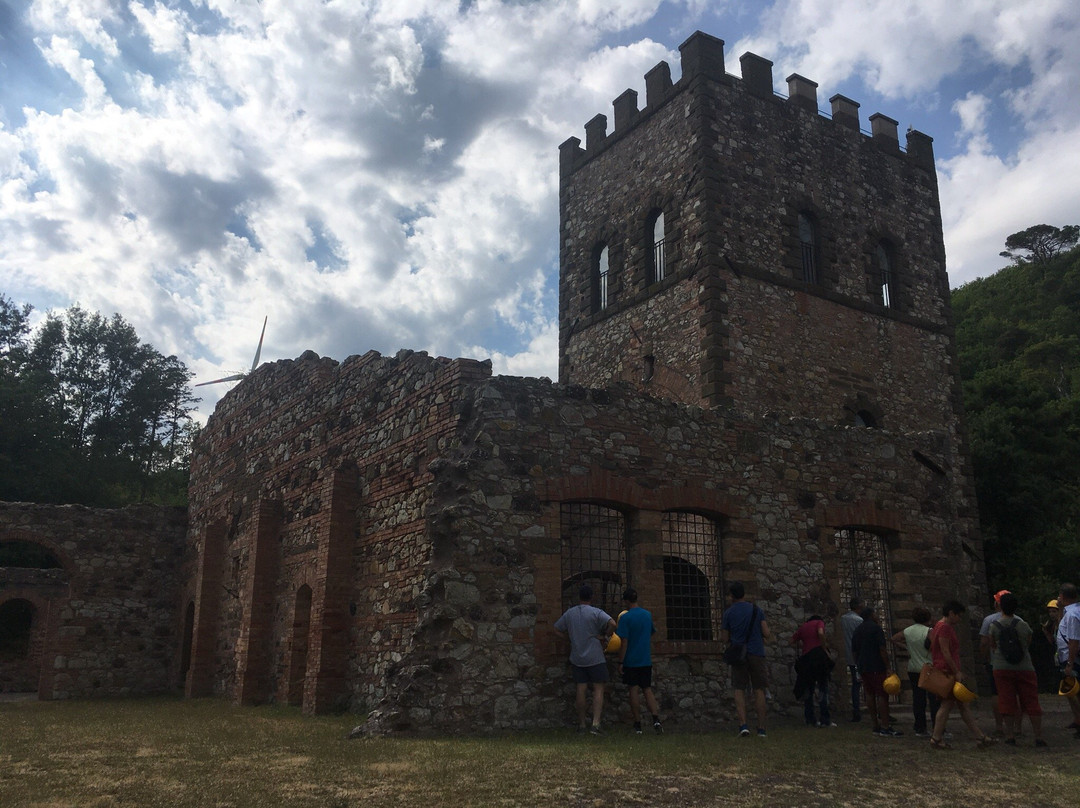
x=921 y=733
x=637 y=727
x=744 y=731
x=658 y=728
x=595 y=730
x=878 y=731
x=761 y=732
x=826 y=724
x=892 y=732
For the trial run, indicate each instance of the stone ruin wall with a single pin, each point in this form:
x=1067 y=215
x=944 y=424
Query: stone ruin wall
x=485 y=655
x=323 y=467
x=106 y=623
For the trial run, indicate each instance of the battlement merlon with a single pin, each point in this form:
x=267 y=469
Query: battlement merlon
x=702 y=57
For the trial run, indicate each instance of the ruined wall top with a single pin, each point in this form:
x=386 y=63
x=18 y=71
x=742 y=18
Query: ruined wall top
x=702 y=58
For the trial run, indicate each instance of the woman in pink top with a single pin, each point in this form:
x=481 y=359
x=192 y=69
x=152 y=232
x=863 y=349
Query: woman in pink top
x=812 y=670
x=945 y=656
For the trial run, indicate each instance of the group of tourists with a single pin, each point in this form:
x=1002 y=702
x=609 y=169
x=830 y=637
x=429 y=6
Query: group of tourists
x=933 y=667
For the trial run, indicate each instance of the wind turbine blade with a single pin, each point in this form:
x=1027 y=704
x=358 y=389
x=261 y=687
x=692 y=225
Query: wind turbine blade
x=235 y=378
x=258 y=351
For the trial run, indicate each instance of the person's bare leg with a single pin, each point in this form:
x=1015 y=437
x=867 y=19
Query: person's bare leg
x=969 y=720
x=580 y=702
x=650 y=702
x=740 y=705
x=941 y=720
x=762 y=707
x=597 y=702
x=635 y=703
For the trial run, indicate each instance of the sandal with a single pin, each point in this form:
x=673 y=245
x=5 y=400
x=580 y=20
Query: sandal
x=936 y=744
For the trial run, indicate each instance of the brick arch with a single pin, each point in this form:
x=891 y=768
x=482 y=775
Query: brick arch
x=600 y=486
x=67 y=563
x=696 y=497
x=862 y=515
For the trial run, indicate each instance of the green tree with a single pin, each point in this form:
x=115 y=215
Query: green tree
x=88 y=413
x=1040 y=242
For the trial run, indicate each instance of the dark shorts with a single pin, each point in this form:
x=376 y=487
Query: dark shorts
x=873 y=683
x=637 y=677
x=594 y=674
x=751 y=672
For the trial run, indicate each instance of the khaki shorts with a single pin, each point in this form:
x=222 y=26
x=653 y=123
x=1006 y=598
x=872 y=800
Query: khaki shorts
x=752 y=672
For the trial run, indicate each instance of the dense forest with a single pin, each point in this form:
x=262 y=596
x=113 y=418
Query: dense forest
x=1018 y=335
x=89 y=414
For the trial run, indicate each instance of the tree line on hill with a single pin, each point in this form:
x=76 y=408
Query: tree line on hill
x=89 y=414
x=1018 y=339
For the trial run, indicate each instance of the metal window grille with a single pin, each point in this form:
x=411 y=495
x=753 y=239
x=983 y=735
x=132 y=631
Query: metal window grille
x=864 y=573
x=691 y=575
x=602 y=280
x=593 y=552
x=885 y=267
x=659 y=260
x=808 y=241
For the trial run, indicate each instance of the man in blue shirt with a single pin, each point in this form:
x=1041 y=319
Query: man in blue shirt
x=744 y=623
x=635 y=629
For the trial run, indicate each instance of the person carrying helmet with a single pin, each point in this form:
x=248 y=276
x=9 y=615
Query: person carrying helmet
x=913 y=638
x=589 y=630
x=945 y=656
x=1068 y=644
x=1017 y=685
x=635 y=629
x=872 y=657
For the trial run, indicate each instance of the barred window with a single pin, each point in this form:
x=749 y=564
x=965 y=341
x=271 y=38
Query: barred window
x=863 y=563
x=884 y=254
x=593 y=552
x=659 y=259
x=600 y=278
x=808 y=249
x=691 y=575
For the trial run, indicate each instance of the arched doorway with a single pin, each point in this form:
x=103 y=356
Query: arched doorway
x=20 y=654
x=188 y=637
x=299 y=646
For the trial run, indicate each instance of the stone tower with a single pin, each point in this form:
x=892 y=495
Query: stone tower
x=726 y=246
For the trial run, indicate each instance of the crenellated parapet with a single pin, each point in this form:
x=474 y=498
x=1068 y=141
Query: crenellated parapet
x=702 y=58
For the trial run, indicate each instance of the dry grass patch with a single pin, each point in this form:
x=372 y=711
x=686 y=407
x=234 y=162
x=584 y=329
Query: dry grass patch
x=168 y=752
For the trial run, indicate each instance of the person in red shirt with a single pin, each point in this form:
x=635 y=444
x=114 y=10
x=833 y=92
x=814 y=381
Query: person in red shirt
x=812 y=670
x=945 y=656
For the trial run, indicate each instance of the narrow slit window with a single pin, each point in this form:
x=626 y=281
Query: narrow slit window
x=885 y=274
x=601 y=278
x=808 y=249
x=659 y=259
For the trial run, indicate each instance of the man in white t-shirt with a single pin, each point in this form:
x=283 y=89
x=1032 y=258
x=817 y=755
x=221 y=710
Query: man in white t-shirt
x=984 y=651
x=849 y=621
x=589 y=630
x=1068 y=642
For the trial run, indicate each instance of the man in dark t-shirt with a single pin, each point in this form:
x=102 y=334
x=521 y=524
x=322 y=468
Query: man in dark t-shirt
x=871 y=655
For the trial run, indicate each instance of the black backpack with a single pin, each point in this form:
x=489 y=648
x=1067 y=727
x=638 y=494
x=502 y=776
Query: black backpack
x=1008 y=642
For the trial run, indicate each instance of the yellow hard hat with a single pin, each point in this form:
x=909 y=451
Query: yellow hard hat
x=614 y=644
x=1052 y=604
x=617 y=619
x=962 y=694
x=891 y=684
x=1069 y=686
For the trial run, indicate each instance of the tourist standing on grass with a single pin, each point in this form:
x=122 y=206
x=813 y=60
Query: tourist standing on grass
x=945 y=656
x=589 y=630
x=744 y=622
x=984 y=650
x=1068 y=643
x=1014 y=672
x=872 y=657
x=849 y=621
x=635 y=629
x=914 y=639
x=812 y=671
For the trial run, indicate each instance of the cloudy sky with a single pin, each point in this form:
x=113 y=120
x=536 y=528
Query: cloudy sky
x=384 y=173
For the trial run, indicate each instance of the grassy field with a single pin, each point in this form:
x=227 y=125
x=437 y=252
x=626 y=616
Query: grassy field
x=168 y=752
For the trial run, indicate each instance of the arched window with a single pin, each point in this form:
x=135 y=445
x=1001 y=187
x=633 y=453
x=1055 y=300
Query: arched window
x=691 y=545
x=600 y=277
x=863 y=563
x=808 y=250
x=659 y=258
x=593 y=552
x=886 y=273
